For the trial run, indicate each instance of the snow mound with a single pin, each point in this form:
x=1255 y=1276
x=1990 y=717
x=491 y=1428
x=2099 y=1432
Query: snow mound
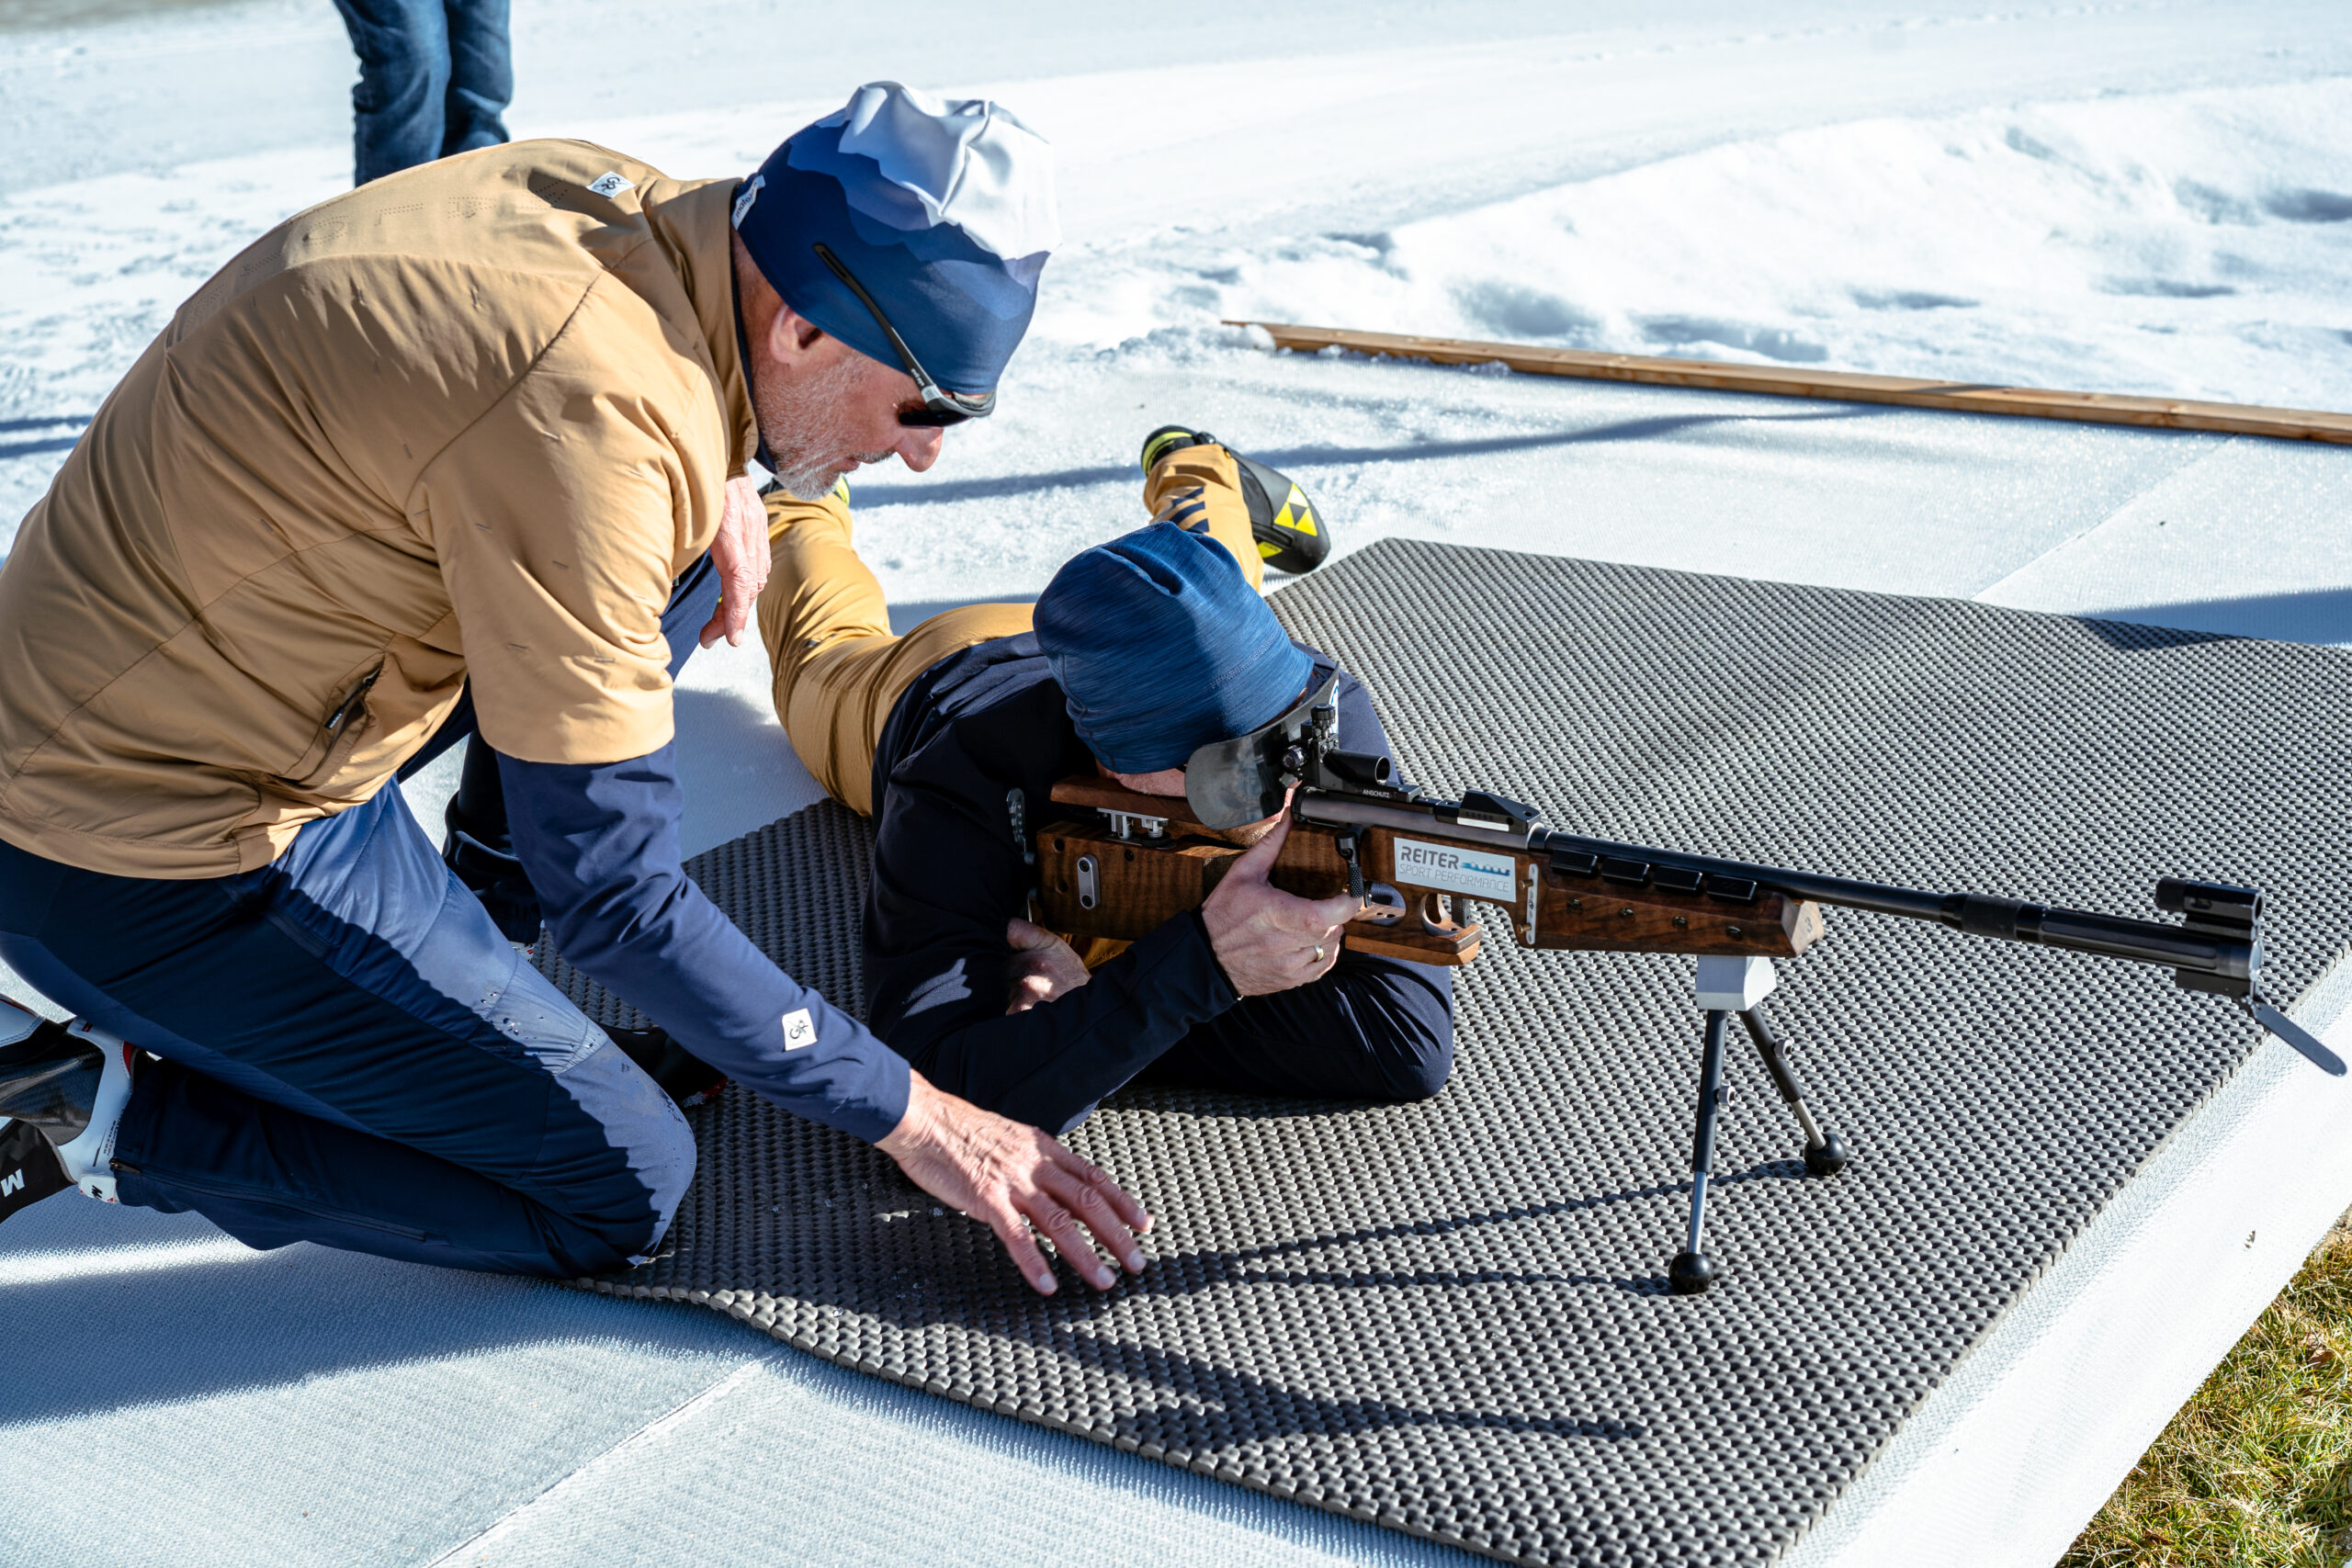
x=2193 y=244
x=2187 y=244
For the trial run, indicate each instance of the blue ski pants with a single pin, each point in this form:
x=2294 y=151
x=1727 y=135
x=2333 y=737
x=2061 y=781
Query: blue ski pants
x=353 y=1055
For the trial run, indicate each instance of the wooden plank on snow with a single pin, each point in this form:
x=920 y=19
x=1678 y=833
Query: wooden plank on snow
x=1840 y=386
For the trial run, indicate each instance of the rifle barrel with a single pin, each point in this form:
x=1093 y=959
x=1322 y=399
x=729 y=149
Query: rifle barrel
x=1974 y=914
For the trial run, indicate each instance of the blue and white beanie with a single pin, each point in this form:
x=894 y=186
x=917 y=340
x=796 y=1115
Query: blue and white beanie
x=943 y=210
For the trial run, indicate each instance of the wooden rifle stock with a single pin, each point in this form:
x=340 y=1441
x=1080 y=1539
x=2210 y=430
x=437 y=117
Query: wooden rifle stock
x=1123 y=863
x=1131 y=861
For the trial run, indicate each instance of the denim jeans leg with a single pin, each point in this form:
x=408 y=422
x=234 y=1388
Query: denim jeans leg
x=481 y=75
x=397 y=107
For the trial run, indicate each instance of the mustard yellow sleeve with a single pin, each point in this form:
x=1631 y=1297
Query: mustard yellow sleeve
x=561 y=518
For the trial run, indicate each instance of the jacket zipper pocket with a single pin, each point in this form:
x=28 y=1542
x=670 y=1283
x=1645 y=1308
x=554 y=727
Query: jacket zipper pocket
x=353 y=702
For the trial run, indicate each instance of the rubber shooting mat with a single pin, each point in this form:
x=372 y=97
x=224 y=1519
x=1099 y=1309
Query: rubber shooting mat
x=1451 y=1319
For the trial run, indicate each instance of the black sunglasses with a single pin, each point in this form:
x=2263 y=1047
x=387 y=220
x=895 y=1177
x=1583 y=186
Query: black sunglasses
x=939 y=405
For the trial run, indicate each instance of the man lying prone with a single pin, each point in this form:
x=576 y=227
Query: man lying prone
x=1139 y=653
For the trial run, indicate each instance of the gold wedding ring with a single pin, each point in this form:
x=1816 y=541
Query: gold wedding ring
x=1318 y=953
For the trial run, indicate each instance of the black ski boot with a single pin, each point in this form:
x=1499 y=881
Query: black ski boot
x=62 y=1088
x=1291 y=535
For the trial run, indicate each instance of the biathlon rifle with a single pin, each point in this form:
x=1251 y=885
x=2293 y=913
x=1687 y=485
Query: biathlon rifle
x=1417 y=861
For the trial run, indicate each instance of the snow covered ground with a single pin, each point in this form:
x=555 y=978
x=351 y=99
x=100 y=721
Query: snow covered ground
x=2129 y=196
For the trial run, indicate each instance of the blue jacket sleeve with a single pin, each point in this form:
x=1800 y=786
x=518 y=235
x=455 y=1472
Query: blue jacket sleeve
x=1048 y=1065
x=601 y=846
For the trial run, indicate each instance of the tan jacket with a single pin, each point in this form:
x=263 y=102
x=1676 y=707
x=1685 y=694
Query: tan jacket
x=468 y=422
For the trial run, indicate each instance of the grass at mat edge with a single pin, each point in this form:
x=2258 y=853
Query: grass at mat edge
x=2256 y=1469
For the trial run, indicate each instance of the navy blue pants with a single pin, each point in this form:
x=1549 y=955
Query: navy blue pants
x=435 y=75
x=353 y=1055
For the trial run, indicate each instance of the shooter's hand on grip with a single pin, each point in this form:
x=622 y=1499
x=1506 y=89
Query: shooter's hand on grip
x=1044 y=966
x=1020 y=1182
x=1267 y=940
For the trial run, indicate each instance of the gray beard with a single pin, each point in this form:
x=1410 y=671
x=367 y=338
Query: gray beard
x=806 y=430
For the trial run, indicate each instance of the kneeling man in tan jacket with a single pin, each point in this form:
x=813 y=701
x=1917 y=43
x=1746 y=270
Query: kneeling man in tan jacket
x=459 y=454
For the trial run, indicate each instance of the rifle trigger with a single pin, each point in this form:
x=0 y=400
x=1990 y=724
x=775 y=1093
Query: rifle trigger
x=1348 y=844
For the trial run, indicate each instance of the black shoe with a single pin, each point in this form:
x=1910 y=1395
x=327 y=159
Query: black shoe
x=496 y=878
x=62 y=1088
x=1291 y=535
x=685 y=1078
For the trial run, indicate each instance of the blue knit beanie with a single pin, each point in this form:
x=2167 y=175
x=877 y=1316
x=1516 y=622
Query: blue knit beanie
x=1160 y=646
x=944 y=212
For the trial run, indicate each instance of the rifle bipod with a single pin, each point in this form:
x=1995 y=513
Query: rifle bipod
x=1727 y=986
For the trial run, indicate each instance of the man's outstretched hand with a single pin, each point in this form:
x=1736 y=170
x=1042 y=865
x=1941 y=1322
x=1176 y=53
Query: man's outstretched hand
x=1267 y=940
x=1016 y=1179
x=741 y=554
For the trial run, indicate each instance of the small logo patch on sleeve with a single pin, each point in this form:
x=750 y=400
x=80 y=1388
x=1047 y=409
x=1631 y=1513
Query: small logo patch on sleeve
x=800 y=1029
x=611 y=184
